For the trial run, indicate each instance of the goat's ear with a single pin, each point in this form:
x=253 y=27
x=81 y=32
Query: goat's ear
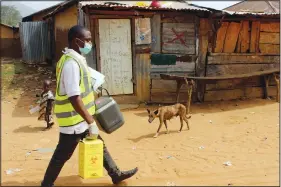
x=156 y=112
x=148 y=111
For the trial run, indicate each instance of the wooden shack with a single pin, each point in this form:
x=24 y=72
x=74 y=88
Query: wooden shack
x=134 y=43
x=242 y=43
x=10 y=42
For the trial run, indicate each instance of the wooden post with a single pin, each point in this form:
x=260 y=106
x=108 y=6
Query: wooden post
x=277 y=80
x=255 y=33
x=189 y=93
x=204 y=29
x=179 y=84
x=265 y=86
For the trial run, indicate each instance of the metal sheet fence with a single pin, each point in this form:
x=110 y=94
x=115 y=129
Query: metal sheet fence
x=35 y=41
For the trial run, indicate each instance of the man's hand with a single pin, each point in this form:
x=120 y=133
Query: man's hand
x=93 y=131
x=79 y=107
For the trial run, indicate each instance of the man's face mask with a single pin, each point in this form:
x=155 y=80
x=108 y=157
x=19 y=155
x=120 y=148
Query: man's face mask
x=86 y=49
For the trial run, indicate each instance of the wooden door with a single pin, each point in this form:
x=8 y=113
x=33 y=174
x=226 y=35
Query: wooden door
x=116 y=55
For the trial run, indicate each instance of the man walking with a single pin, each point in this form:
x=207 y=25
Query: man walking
x=75 y=107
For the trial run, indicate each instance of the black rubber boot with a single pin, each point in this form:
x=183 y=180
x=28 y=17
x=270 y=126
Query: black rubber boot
x=113 y=171
x=123 y=175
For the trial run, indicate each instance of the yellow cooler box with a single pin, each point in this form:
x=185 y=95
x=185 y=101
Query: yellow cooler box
x=91 y=159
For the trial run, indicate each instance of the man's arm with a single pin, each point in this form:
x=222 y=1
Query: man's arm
x=79 y=107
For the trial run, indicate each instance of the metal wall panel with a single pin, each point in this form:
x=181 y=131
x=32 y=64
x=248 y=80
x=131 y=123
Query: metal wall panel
x=178 y=38
x=35 y=41
x=143 y=76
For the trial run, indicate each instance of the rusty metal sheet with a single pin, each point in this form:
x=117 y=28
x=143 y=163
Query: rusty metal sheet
x=142 y=72
x=170 y=5
x=35 y=41
x=178 y=38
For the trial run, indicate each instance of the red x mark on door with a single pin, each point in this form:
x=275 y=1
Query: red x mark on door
x=178 y=37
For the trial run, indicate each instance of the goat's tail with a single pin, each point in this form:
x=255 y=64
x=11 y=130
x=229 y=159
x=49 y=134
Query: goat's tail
x=188 y=117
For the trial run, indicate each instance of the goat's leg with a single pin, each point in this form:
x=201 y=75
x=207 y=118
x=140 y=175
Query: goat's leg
x=186 y=121
x=165 y=123
x=181 y=120
x=160 y=125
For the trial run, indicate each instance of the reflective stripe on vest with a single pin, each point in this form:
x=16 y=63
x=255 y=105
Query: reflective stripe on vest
x=65 y=113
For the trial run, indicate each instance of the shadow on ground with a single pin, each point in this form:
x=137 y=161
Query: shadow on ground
x=66 y=181
x=213 y=107
x=150 y=136
x=29 y=129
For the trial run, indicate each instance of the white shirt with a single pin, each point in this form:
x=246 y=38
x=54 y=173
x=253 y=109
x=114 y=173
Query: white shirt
x=69 y=85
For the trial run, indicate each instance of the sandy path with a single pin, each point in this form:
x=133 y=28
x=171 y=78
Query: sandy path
x=243 y=132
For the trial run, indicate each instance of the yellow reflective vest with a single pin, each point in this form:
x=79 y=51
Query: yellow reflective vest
x=64 y=111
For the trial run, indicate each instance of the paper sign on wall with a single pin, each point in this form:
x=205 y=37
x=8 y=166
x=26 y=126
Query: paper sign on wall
x=143 y=31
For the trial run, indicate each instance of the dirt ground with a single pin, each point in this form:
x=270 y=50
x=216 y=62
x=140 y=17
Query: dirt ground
x=245 y=133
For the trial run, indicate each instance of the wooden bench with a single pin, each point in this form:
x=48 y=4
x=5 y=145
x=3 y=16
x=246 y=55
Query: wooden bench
x=204 y=80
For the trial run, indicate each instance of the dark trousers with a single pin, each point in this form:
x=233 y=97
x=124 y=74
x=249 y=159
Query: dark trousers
x=65 y=148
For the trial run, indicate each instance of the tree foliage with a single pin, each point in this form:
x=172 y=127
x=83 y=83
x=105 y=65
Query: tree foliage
x=10 y=15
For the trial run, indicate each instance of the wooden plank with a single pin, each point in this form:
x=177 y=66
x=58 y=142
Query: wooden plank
x=142 y=49
x=183 y=57
x=231 y=37
x=242 y=59
x=234 y=69
x=255 y=32
x=250 y=92
x=121 y=13
x=239 y=41
x=116 y=55
x=170 y=97
x=178 y=19
x=96 y=16
x=134 y=59
x=179 y=67
x=270 y=27
x=166 y=85
x=270 y=49
x=156 y=75
x=204 y=29
x=181 y=27
x=177 y=48
x=243 y=43
x=221 y=33
x=221 y=77
x=156 y=33
x=97 y=42
x=239 y=54
x=269 y=38
x=189 y=40
x=237 y=83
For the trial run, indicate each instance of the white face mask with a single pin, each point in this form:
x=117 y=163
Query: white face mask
x=86 y=49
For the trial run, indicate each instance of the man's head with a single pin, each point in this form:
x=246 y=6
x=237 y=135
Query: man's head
x=46 y=85
x=80 y=39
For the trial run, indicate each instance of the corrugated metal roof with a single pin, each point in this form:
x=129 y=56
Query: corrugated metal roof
x=9 y=26
x=34 y=41
x=255 y=6
x=250 y=13
x=167 y=5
